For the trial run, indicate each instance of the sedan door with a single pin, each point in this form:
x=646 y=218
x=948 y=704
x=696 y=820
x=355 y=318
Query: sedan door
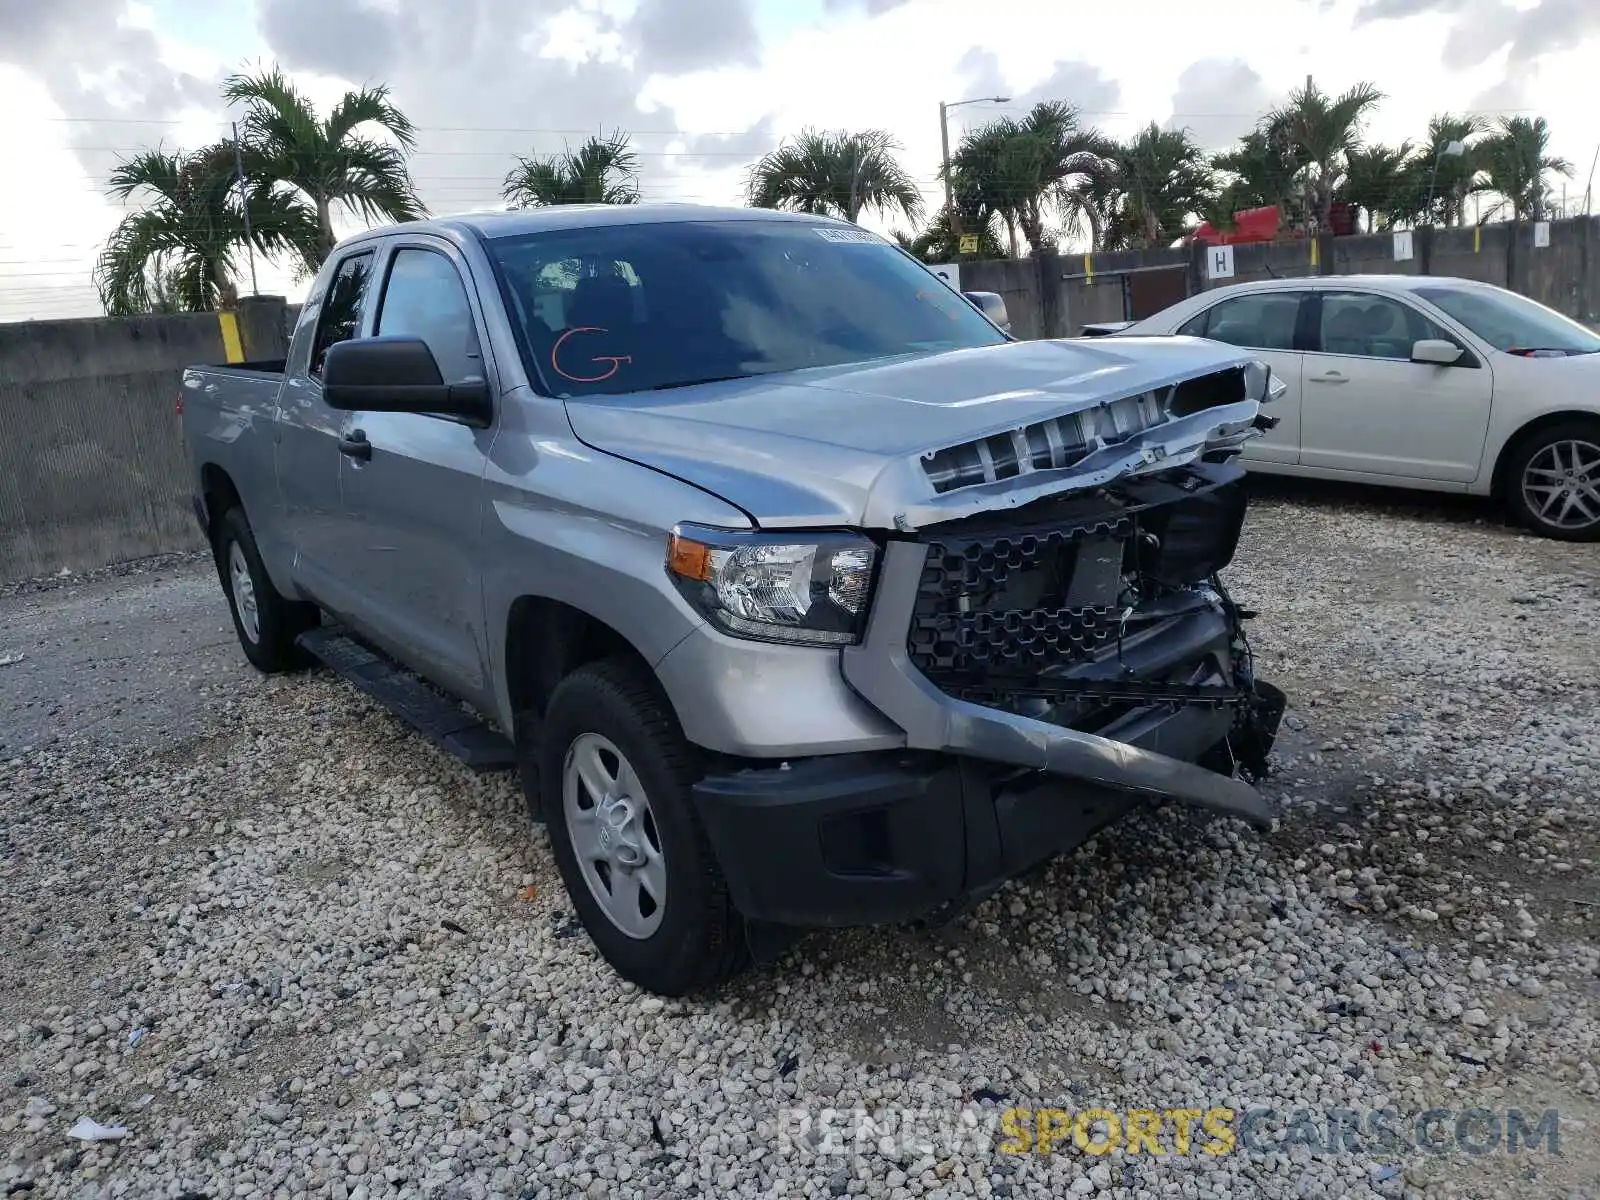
x=412 y=484
x=1369 y=409
x=1271 y=323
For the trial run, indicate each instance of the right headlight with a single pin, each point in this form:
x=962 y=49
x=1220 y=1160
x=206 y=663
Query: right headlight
x=806 y=589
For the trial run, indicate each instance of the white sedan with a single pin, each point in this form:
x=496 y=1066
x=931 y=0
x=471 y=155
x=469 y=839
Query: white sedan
x=1418 y=381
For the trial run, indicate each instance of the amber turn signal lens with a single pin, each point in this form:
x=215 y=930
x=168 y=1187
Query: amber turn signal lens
x=691 y=560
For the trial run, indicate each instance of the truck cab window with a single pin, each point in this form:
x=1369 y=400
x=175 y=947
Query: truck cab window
x=424 y=298
x=341 y=307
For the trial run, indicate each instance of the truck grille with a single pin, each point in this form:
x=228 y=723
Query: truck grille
x=968 y=618
x=1031 y=605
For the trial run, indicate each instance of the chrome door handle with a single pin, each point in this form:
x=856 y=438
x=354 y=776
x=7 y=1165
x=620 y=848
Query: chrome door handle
x=1330 y=377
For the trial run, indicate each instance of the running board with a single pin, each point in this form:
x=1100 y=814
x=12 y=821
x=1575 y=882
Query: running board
x=444 y=723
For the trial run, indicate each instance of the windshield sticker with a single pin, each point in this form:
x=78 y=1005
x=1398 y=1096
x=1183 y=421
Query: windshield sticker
x=849 y=235
x=616 y=360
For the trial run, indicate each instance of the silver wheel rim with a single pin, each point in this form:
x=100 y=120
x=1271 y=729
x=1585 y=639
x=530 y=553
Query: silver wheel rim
x=1561 y=484
x=244 y=593
x=614 y=835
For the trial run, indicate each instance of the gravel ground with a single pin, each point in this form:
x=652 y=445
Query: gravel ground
x=293 y=951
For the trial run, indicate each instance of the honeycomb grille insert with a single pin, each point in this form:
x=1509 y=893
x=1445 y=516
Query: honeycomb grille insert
x=952 y=644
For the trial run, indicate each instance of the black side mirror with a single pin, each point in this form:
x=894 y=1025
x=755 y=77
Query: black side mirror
x=397 y=374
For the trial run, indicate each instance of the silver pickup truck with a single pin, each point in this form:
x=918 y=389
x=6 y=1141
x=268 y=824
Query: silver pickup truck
x=799 y=593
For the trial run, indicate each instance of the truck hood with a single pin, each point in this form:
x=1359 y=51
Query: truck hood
x=908 y=442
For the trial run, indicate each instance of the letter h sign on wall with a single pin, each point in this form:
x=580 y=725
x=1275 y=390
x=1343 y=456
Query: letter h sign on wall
x=1219 y=262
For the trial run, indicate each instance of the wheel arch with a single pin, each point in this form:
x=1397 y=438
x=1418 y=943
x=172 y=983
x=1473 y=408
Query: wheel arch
x=1526 y=432
x=546 y=640
x=218 y=493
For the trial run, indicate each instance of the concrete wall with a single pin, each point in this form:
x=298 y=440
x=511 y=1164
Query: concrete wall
x=92 y=467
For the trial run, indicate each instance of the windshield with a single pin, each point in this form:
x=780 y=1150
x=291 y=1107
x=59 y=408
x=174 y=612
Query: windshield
x=622 y=308
x=1511 y=322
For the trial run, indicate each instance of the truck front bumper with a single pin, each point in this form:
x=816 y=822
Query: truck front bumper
x=875 y=838
x=981 y=791
x=980 y=795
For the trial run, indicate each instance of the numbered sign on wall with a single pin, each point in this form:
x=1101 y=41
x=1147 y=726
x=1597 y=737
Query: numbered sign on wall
x=1219 y=262
x=949 y=272
x=1402 y=246
x=1541 y=234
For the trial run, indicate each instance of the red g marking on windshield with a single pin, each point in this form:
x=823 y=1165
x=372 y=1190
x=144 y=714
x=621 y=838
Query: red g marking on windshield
x=616 y=360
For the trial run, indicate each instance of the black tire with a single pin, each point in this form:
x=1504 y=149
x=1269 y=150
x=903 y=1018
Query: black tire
x=1530 y=449
x=278 y=620
x=700 y=940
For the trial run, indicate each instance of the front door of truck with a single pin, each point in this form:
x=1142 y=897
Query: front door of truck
x=412 y=483
x=307 y=432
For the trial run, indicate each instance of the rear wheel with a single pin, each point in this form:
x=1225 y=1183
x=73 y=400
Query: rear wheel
x=615 y=777
x=266 y=621
x=1553 y=482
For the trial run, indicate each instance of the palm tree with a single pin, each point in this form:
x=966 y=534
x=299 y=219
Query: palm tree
x=982 y=182
x=179 y=252
x=1323 y=129
x=1515 y=163
x=1062 y=162
x=603 y=170
x=327 y=161
x=1023 y=170
x=1161 y=180
x=1262 y=168
x=938 y=243
x=837 y=174
x=1380 y=181
x=1451 y=178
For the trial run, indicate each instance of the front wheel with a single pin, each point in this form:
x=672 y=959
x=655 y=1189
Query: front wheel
x=1553 y=482
x=615 y=777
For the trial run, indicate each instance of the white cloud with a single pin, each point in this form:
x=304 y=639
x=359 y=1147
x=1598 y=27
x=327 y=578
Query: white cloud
x=496 y=78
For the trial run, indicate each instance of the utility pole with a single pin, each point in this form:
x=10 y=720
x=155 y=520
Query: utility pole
x=1313 y=213
x=855 y=179
x=949 y=196
x=244 y=207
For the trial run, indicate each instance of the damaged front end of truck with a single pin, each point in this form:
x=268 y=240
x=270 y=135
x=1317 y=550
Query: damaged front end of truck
x=1052 y=600
x=1048 y=634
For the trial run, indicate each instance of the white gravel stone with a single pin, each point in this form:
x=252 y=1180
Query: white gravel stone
x=265 y=900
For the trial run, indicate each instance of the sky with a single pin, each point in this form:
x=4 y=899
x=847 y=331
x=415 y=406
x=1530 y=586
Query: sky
x=707 y=86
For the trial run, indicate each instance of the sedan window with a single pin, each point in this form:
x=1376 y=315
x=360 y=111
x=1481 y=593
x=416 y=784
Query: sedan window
x=1262 y=321
x=1366 y=325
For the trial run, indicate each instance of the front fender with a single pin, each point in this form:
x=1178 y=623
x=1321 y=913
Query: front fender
x=567 y=523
